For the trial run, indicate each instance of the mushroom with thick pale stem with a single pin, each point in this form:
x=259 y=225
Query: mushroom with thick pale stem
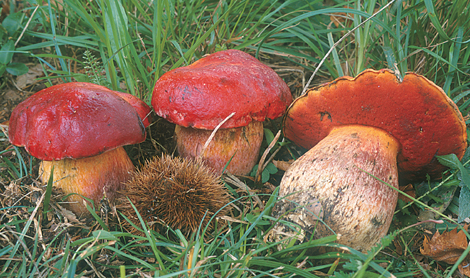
x=362 y=132
x=79 y=129
x=200 y=96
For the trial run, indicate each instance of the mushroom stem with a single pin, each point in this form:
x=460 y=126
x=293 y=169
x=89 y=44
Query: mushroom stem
x=241 y=143
x=346 y=173
x=89 y=177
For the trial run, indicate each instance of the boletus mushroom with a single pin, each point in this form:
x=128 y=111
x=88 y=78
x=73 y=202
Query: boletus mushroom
x=198 y=97
x=361 y=133
x=78 y=129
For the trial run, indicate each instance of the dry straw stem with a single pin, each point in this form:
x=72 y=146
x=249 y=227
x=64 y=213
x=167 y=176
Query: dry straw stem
x=238 y=183
x=213 y=134
x=27 y=24
x=263 y=162
x=21 y=238
x=14 y=199
x=338 y=42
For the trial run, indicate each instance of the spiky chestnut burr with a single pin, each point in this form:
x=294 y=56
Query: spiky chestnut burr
x=174 y=191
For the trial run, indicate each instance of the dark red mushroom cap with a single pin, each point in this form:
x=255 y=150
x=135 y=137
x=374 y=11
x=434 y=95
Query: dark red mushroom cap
x=74 y=120
x=204 y=93
x=140 y=106
x=416 y=112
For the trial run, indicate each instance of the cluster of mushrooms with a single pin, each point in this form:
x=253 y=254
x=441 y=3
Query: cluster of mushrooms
x=359 y=132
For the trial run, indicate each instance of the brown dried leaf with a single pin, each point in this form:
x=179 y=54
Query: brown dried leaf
x=341 y=19
x=409 y=190
x=71 y=217
x=29 y=78
x=464 y=267
x=282 y=165
x=448 y=247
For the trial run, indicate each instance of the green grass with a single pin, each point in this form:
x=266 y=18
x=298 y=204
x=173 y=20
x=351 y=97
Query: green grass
x=134 y=43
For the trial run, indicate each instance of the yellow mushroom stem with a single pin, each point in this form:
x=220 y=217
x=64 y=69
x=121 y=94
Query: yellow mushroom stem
x=243 y=143
x=89 y=177
x=347 y=174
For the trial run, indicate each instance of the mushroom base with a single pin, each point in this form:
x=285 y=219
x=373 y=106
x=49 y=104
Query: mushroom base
x=340 y=181
x=243 y=143
x=89 y=177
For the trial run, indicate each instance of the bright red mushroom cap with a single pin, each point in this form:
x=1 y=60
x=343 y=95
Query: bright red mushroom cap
x=416 y=112
x=204 y=93
x=74 y=120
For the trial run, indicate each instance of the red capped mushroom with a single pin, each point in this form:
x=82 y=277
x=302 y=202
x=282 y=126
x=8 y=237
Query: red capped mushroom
x=79 y=130
x=361 y=133
x=200 y=96
x=144 y=111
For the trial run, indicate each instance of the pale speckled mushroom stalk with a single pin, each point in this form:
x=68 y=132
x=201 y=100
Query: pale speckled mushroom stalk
x=361 y=133
x=79 y=129
x=200 y=96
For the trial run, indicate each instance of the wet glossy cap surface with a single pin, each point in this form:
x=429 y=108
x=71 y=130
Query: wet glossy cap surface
x=74 y=120
x=204 y=93
x=416 y=112
x=139 y=105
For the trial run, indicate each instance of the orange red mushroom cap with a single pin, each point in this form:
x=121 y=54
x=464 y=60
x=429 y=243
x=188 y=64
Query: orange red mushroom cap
x=415 y=111
x=74 y=120
x=204 y=93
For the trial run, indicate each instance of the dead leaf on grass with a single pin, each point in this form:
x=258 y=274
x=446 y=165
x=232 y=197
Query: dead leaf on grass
x=282 y=165
x=23 y=81
x=448 y=247
x=409 y=190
